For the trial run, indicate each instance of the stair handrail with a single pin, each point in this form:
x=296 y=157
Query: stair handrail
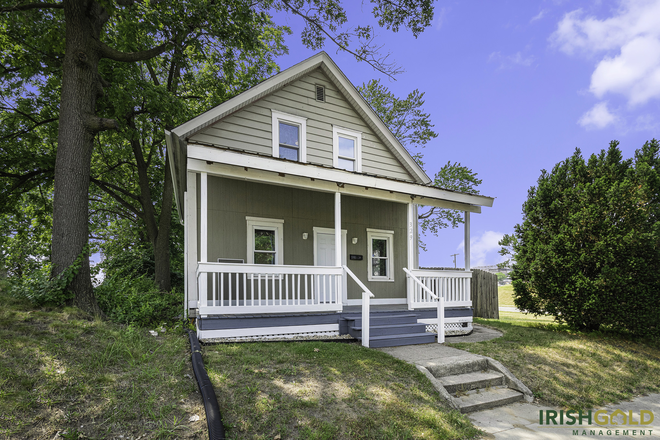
x=441 y=305
x=366 y=294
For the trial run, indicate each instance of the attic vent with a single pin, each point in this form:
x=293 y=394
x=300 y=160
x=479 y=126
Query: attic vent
x=320 y=93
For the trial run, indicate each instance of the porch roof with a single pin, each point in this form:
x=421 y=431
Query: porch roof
x=256 y=168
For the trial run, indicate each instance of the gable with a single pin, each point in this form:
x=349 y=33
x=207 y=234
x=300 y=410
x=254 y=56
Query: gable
x=250 y=128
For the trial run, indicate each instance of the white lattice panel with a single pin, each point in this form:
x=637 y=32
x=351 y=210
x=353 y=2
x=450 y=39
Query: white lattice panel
x=451 y=328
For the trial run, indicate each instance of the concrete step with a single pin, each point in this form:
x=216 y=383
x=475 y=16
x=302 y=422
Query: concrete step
x=478 y=400
x=395 y=329
x=462 y=365
x=472 y=381
x=397 y=340
x=376 y=320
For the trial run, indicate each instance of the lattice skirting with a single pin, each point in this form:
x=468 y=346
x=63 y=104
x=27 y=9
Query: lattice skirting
x=451 y=328
x=286 y=336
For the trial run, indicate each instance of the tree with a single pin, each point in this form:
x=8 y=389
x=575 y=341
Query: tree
x=588 y=249
x=501 y=276
x=77 y=40
x=409 y=123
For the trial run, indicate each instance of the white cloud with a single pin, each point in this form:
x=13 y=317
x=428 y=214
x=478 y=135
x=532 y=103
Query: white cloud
x=598 y=117
x=628 y=44
x=483 y=249
x=509 y=61
x=442 y=17
x=538 y=16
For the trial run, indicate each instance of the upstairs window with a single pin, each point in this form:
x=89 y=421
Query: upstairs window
x=347 y=149
x=289 y=137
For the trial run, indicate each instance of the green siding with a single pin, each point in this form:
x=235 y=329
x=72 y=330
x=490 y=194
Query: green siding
x=250 y=128
x=230 y=201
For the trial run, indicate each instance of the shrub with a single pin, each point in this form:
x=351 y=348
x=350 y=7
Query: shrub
x=137 y=301
x=588 y=250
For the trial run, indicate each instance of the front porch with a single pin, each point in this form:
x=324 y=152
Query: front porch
x=282 y=301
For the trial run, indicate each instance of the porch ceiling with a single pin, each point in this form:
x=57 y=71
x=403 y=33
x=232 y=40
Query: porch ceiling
x=285 y=173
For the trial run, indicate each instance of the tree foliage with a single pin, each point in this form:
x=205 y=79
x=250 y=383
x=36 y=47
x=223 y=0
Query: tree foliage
x=588 y=249
x=411 y=125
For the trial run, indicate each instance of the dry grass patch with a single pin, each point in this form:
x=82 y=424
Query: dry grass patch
x=316 y=390
x=62 y=372
x=570 y=369
x=505 y=296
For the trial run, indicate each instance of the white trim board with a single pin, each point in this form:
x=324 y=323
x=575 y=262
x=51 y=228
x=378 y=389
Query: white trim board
x=377 y=301
x=211 y=154
x=264 y=331
x=293 y=181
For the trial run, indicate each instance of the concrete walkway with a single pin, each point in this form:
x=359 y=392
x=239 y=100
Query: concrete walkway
x=521 y=420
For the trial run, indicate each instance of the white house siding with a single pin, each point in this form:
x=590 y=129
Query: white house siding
x=250 y=128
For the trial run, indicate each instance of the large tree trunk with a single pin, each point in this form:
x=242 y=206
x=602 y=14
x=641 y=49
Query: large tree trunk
x=162 y=248
x=77 y=127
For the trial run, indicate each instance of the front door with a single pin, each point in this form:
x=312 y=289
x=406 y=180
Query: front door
x=324 y=253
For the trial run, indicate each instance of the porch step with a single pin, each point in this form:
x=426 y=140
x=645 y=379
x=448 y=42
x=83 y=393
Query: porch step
x=471 y=381
x=480 y=399
x=381 y=330
x=379 y=319
x=400 y=339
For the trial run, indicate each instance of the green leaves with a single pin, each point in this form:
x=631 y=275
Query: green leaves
x=588 y=250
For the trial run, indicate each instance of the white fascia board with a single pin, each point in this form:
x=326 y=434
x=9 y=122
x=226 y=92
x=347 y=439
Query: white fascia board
x=211 y=154
x=191 y=127
x=289 y=180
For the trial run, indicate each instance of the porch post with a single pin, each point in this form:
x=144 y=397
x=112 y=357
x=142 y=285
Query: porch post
x=203 y=238
x=190 y=240
x=338 y=229
x=411 y=251
x=467 y=240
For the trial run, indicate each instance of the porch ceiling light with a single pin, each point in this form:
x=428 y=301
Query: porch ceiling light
x=305 y=235
x=354 y=240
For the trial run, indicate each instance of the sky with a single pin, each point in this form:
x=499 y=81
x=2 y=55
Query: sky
x=514 y=87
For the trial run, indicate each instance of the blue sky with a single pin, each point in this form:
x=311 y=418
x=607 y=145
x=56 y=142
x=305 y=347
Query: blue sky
x=514 y=87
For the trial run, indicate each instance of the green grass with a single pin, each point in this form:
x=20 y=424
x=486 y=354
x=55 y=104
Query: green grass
x=570 y=369
x=505 y=296
x=316 y=390
x=61 y=371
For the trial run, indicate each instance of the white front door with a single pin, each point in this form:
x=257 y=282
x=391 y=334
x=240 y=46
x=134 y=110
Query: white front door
x=324 y=253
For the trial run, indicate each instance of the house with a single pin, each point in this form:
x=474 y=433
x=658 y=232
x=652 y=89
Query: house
x=300 y=213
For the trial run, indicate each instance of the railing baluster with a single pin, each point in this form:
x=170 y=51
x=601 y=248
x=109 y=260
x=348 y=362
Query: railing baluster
x=298 y=289
x=252 y=288
x=273 y=295
x=279 y=278
x=306 y=290
x=259 y=289
x=286 y=287
x=222 y=290
x=229 y=292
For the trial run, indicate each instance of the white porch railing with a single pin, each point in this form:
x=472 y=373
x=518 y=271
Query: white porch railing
x=260 y=288
x=439 y=301
x=366 y=307
x=453 y=285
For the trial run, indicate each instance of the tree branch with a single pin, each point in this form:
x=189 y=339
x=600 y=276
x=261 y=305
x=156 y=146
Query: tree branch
x=96 y=124
x=130 y=57
x=29 y=6
x=107 y=185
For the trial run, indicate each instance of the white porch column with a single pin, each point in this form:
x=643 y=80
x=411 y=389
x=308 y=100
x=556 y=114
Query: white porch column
x=467 y=240
x=190 y=240
x=203 y=237
x=337 y=229
x=411 y=251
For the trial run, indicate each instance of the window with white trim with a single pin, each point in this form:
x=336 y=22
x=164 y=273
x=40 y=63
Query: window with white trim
x=289 y=136
x=265 y=240
x=381 y=257
x=346 y=149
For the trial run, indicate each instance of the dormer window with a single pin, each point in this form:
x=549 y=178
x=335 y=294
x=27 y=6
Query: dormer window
x=289 y=136
x=347 y=149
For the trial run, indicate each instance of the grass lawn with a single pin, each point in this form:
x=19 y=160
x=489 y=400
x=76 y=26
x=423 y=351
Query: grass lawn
x=505 y=296
x=61 y=371
x=316 y=390
x=569 y=369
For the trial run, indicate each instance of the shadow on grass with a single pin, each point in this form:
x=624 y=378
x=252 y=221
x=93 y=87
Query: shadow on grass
x=572 y=369
x=326 y=391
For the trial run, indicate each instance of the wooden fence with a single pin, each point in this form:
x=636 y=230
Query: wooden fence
x=484 y=294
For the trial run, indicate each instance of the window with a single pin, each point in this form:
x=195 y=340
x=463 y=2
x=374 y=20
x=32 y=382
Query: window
x=289 y=136
x=380 y=260
x=347 y=149
x=265 y=240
